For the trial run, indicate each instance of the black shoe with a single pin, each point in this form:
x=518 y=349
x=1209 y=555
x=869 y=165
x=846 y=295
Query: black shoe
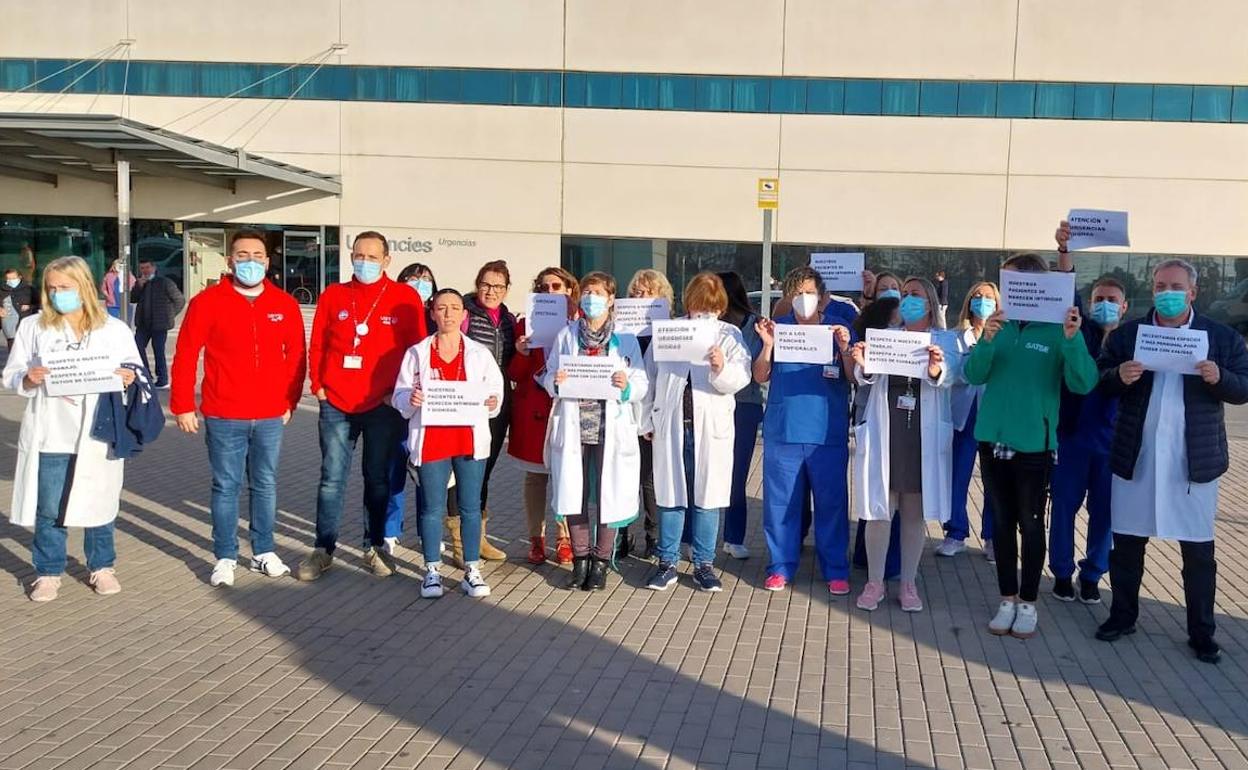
x=1089 y=592
x=652 y=546
x=625 y=547
x=1112 y=631
x=597 y=579
x=1063 y=589
x=1207 y=650
x=580 y=574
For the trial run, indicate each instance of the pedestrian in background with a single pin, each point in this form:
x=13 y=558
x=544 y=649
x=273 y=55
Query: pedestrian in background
x=157 y=303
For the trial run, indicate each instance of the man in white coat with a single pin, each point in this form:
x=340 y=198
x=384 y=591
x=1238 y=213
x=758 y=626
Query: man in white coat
x=1169 y=449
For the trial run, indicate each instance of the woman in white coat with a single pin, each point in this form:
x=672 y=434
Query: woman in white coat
x=437 y=451
x=903 y=449
x=591 y=444
x=691 y=420
x=55 y=448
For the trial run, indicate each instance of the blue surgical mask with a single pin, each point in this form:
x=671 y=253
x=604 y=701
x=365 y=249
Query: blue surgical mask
x=249 y=273
x=1106 y=312
x=66 y=301
x=13 y=282
x=889 y=294
x=366 y=272
x=423 y=288
x=913 y=309
x=1170 y=304
x=983 y=307
x=594 y=306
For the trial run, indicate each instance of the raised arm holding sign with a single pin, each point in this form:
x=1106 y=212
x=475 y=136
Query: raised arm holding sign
x=1090 y=228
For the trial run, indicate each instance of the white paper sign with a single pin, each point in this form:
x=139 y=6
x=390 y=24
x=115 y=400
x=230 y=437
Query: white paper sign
x=803 y=344
x=1162 y=349
x=634 y=315
x=896 y=351
x=453 y=402
x=589 y=377
x=684 y=341
x=1090 y=228
x=546 y=317
x=840 y=271
x=1037 y=296
x=79 y=372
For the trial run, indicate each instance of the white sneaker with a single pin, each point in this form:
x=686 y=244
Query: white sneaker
x=268 y=564
x=736 y=550
x=223 y=573
x=473 y=584
x=1025 y=621
x=390 y=545
x=990 y=554
x=686 y=552
x=431 y=588
x=950 y=547
x=1004 y=619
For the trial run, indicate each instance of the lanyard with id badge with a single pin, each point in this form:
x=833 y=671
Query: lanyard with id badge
x=832 y=371
x=354 y=360
x=908 y=401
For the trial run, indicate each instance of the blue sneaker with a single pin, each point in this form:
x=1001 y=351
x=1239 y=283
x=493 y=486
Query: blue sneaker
x=663 y=578
x=704 y=578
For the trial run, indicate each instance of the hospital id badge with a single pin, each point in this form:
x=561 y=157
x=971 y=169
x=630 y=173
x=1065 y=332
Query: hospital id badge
x=831 y=371
x=353 y=362
x=906 y=402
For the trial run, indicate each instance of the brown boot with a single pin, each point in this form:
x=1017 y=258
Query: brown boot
x=488 y=551
x=451 y=524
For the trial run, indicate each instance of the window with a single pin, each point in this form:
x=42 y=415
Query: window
x=900 y=97
x=531 y=88
x=676 y=92
x=788 y=95
x=443 y=86
x=714 y=94
x=825 y=97
x=1055 y=100
x=640 y=92
x=1094 y=101
x=1172 y=103
x=603 y=90
x=487 y=86
x=410 y=85
x=749 y=95
x=1211 y=103
x=1239 y=105
x=938 y=98
x=977 y=99
x=1016 y=100
x=862 y=97
x=1133 y=102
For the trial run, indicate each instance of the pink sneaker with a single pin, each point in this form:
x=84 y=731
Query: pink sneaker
x=775 y=582
x=838 y=587
x=909 y=599
x=871 y=596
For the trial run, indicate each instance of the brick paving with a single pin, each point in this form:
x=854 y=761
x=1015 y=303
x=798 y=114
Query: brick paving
x=355 y=671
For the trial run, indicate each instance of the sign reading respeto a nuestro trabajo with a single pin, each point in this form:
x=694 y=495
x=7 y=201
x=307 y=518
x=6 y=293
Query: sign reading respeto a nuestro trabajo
x=79 y=372
x=897 y=351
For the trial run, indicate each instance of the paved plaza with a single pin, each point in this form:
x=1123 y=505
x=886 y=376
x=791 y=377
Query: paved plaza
x=357 y=671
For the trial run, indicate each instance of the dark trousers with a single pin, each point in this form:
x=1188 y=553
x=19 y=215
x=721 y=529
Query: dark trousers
x=1200 y=583
x=1018 y=489
x=498 y=434
x=382 y=427
x=141 y=338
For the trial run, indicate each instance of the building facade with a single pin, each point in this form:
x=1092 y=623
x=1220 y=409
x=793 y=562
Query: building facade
x=621 y=135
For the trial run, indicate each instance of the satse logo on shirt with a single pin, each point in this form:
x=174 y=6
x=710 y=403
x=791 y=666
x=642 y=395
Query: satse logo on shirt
x=1036 y=346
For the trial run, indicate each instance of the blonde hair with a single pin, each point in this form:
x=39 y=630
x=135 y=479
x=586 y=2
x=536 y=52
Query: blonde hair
x=76 y=269
x=934 y=316
x=655 y=281
x=964 y=317
x=705 y=291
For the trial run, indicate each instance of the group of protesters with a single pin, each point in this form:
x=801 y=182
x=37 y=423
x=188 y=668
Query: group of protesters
x=1058 y=415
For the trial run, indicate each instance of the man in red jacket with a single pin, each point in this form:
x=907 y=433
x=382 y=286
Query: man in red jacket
x=360 y=333
x=251 y=335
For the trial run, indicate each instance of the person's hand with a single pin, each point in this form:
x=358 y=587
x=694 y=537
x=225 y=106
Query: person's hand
x=491 y=403
x=126 y=375
x=858 y=354
x=561 y=377
x=1062 y=235
x=766 y=329
x=1209 y=372
x=868 y=284
x=23 y=308
x=1071 y=325
x=522 y=345
x=1130 y=372
x=620 y=380
x=993 y=324
x=935 y=357
x=321 y=395
x=34 y=377
x=3 y=313
x=417 y=398
x=286 y=417
x=841 y=335
x=716 y=359
x=187 y=422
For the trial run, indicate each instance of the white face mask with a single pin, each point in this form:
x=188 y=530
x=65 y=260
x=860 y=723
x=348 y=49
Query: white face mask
x=805 y=305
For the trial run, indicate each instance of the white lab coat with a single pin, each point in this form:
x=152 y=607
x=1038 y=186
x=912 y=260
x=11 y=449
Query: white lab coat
x=95 y=489
x=479 y=366
x=872 y=499
x=714 y=405
x=621 y=462
x=964 y=395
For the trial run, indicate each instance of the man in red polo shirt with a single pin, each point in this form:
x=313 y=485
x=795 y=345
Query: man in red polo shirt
x=360 y=333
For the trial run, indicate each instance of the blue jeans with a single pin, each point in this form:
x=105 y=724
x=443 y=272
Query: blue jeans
x=48 y=549
x=1079 y=472
x=398 y=496
x=238 y=448
x=965 y=449
x=382 y=428
x=141 y=338
x=469 y=478
x=704 y=522
x=791 y=474
x=747 y=419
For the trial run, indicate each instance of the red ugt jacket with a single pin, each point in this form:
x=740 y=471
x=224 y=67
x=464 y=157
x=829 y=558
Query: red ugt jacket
x=396 y=322
x=254 y=361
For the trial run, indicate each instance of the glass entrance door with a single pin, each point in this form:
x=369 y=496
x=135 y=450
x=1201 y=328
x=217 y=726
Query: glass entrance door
x=205 y=258
x=301 y=269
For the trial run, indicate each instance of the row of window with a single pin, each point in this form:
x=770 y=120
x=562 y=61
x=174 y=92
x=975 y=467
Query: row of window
x=702 y=93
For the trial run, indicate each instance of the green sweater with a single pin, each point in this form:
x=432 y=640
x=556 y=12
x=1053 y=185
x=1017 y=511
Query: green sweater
x=1023 y=368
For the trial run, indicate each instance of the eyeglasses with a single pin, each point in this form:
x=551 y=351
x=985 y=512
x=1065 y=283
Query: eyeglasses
x=494 y=287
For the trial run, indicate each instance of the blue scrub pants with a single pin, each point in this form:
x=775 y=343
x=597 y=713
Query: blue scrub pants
x=1079 y=471
x=398 y=496
x=791 y=473
x=747 y=418
x=964 y=451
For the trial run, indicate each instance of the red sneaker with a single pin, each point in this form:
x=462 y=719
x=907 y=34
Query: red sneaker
x=775 y=582
x=563 y=550
x=838 y=587
x=537 y=550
